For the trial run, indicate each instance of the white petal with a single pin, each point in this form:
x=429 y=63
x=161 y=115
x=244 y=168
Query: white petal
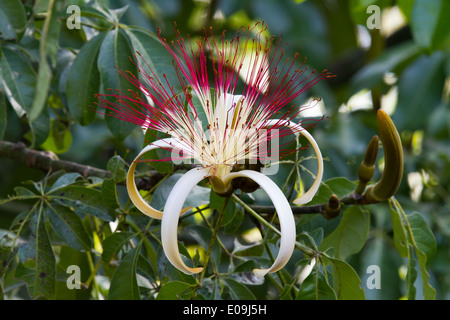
x=225 y=108
x=306 y=271
x=133 y=192
x=306 y=197
x=285 y=215
x=169 y=223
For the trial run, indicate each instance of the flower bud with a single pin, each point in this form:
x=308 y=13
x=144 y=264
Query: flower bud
x=367 y=167
x=392 y=175
x=333 y=208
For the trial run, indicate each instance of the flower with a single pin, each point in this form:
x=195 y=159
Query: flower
x=217 y=127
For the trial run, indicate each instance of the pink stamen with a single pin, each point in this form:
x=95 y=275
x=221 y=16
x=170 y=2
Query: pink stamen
x=271 y=84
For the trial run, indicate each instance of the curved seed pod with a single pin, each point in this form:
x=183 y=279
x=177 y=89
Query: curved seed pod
x=392 y=175
x=367 y=167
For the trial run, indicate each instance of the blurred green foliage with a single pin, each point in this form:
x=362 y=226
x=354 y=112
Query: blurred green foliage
x=51 y=220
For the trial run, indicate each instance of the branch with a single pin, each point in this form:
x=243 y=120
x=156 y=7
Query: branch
x=353 y=198
x=47 y=161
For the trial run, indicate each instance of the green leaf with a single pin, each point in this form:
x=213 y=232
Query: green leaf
x=88 y=11
x=12 y=19
x=116 y=166
x=19 y=79
x=430 y=23
x=3 y=115
x=423 y=236
x=412 y=274
x=40 y=129
x=379 y=253
x=217 y=202
x=346 y=281
x=67 y=224
x=315 y=287
x=406 y=8
x=165 y=165
x=391 y=60
x=237 y=290
x=358 y=9
x=338 y=186
x=420 y=88
x=200 y=111
x=83 y=201
x=173 y=290
x=124 y=284
x=114 y=243
x=48 y=47
x=115 y=52
x=197 y=197
x=350 y=235
x=109 y=193
x=59 y=139
x=400 y=237
x=64 y=180
x=425 y=247
x=44 y=276
x=71 y=257
x=83 y=81
x=155 y=55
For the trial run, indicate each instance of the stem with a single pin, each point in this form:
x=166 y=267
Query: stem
x=213 y=237
x=299 y=246
x=352 y=198
x=93 y=273
x=46 y=161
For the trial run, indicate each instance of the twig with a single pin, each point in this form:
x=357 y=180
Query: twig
x=47 y=161
x=313 y=209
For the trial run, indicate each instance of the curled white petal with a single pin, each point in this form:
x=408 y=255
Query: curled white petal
x=306 y=271
x=285 y=215
x=170 y=217
x=306 y=197
x=133 y=192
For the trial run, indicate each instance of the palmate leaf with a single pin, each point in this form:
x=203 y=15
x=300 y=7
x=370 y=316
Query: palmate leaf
x=67 y=224
x=83 y=201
